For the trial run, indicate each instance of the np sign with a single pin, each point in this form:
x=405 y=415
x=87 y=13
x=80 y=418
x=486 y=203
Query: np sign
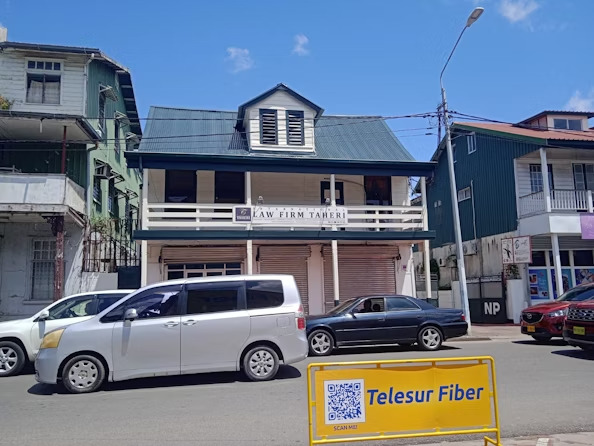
x=492 y=308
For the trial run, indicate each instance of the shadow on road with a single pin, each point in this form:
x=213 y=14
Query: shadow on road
x=384 y=349
x=558 y=342
x=284 y=372
x=576 y=354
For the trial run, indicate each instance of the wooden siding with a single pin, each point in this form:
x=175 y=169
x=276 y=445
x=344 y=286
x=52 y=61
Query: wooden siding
x=281 y=102
x=13 y=82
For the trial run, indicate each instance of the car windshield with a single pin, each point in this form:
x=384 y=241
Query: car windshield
x=341 y=307
x=577 y=294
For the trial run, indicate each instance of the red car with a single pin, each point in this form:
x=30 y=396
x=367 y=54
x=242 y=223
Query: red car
x=579 y=326
x=545 y=321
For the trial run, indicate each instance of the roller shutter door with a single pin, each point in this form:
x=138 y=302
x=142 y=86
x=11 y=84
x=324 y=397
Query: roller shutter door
x=287 y=260
x=362 y=270
x=203 y=254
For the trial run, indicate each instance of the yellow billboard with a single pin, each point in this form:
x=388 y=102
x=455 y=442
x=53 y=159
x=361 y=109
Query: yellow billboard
x=396 y=399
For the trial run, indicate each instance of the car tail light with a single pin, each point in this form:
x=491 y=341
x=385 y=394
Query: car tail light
x=463 y=317
x=300 y=318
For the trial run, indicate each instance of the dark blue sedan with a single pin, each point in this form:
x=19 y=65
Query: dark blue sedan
x=373 y=320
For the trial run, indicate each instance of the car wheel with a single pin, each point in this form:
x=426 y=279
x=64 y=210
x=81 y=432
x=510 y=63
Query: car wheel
x=260 y=363
x=542 y=338
x=321 y=343
x=83 y=374
x=430 y=338
x=12 y=358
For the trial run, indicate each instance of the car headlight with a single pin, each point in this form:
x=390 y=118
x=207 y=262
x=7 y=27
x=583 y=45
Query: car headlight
x=558 y=313
x=52 y=339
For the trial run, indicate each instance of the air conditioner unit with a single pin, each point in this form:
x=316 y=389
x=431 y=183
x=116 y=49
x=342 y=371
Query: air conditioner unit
x=102 y=171
x=469 y=248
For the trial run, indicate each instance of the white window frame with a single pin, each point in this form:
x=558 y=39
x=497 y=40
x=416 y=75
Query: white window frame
x=51 y=72
x=464 y=194
x=471 y=143
x=51 y=263
x=567 y=124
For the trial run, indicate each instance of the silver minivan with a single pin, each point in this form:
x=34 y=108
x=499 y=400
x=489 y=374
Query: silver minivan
x=211 y=324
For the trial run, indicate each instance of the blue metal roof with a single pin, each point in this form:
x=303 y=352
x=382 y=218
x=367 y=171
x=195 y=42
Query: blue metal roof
x=208 y=132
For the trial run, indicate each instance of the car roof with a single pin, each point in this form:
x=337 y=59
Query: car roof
x=234 y=278
x=122 y=292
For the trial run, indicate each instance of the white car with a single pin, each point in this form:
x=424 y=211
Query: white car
x=20 y=339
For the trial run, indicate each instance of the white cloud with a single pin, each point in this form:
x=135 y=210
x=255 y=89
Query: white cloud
x=241 y=59
x=517 y=10
x=301 y=41
x=581 y=103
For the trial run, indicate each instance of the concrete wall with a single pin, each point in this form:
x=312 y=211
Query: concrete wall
x=16 y=252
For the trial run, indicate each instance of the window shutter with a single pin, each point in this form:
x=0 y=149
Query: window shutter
x=295 y=128
x=268 y=127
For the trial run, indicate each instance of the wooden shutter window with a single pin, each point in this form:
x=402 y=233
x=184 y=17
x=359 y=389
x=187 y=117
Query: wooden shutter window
x=295 y=128
x=268 y=127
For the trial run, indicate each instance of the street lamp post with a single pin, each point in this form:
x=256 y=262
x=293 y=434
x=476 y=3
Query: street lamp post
x=474 y=15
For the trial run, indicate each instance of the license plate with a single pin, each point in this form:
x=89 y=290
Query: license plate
x=579 y=330
x=531 y=328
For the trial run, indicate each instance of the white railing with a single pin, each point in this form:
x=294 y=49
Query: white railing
x=220 y=217
x=561 y=200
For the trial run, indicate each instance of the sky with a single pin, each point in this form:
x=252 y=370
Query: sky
x=349 y=57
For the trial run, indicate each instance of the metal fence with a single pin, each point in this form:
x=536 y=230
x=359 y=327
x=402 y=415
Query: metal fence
x=108 y=245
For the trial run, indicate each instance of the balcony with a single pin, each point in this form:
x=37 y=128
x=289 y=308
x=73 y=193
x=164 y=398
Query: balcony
x=562 y=200
x=39 y=193
x=184 y=216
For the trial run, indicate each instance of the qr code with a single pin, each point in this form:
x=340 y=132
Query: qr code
x=343 y=401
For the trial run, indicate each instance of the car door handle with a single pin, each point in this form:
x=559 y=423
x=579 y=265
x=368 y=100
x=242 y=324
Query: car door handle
x=189 y=322
x=382 y=319
x=171 y=324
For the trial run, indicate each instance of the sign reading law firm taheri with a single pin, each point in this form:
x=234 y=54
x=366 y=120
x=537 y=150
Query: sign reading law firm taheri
x=399 y=399
x=290 y=215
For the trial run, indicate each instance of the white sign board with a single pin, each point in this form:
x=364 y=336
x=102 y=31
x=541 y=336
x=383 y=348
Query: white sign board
x=290 y=215
x=516 y=250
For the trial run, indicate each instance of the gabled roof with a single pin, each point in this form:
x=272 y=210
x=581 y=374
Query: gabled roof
x=279 y=87
x=212 y=132
x=527 y=132
x=557 y=112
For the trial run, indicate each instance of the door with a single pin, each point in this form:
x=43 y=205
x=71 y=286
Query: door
x=365 y=326
x=180 y=186
x=150 y=344
x=214 y=328
x=402 y=318
x=229 y=187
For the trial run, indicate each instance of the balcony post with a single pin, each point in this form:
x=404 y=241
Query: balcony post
x=589 y=199
x=544 y=171
x=557 y=265
x=335 y=277
x=249 y=244
x=427 y=252
x=144 y=225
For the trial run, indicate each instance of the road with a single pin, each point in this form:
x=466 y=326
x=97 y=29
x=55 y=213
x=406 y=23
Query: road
x=543 y=389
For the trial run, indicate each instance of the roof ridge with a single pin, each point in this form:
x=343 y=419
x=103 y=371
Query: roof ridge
x=167 y=107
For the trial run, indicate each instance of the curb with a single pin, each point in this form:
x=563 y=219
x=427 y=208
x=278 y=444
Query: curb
x=470 y=339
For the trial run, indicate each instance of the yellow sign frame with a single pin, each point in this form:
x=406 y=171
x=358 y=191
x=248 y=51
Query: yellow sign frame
x=492 y=428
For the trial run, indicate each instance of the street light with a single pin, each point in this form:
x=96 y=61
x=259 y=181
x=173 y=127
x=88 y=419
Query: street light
x=473 y=17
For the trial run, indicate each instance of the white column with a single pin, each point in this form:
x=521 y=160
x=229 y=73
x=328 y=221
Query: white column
x=248 y=188
x=250 y=257
x=144 y=209
x=557 y=264
x=590 y=205
x=546 y=187
x=335 y=277
x=427 y=252
x=143 y=263
x=250 y=245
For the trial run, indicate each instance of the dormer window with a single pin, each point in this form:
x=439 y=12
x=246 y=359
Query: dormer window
x=295 y=128
x=567 y=124
x=268 y=127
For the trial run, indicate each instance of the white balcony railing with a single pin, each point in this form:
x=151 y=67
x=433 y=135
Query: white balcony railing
x=561 y=200
x=186 y=216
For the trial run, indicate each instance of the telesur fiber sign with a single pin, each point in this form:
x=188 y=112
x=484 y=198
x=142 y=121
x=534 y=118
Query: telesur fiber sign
x=418 y=396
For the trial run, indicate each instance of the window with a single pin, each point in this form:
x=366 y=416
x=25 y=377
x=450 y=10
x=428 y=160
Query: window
x=155 y=302
x=107 y=300
x=97 y=190
x=400 y=304
x=116 y=136
x=43 y=88
x=44 y=65
x=583 y=257
x=464 y=194
x=264 y=294
x=112 y=199
x=536 y=178
x=44 y=257
x=268 y=127
x=180 y=186
x=583 y=176
x=295 y=128
x=75 y=307
x=538 y=258
x=325 y=194
x=567 y=124
x=471 y=143
x=564 y=258
x=371 y=305
x=378 y=191
x=213 y=298
x=229 y=187
x=102 y=106
x=188 y=270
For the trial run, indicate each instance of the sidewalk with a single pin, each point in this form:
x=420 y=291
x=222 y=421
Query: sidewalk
x=577 y=439
x=492 y=332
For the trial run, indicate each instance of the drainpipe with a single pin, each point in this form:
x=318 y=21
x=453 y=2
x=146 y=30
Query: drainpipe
x=89 y=194
x=57 y=224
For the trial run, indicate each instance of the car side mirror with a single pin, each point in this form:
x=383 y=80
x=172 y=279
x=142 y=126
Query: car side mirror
x=354 y=313
x=130 y=314
x=43 y=315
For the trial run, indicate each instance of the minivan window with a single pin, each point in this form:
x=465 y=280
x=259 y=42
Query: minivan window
x=107 y=300
x=264 y=294
x=155 y=302
x=212 y=299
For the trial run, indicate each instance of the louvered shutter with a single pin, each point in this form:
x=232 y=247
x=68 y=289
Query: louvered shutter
x=268 y=127
x=287 y=260
x=295 y=127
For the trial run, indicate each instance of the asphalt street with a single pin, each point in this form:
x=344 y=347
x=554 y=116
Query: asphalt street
x=543 y=389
